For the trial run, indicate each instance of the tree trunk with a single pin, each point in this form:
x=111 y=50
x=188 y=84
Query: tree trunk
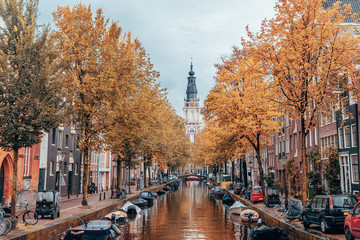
x=129 y=175
x=149 y=176
x=145 y=165
x=118 y=170
x=304 y=163
x=258 y=158
x=232 y=171
x=86 y=167
x=240 y=169
x=245 y=174
x=14 y=182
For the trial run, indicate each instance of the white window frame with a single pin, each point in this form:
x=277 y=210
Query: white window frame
x=341 y=138
x=315 y=136
x=347 y=144
x=352 y=170
x=27 y=162
x=353 y=136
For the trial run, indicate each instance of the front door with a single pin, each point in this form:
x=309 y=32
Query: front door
x=2 y=177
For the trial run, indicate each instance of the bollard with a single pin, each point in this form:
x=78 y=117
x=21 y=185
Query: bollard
x=68 y=194
x=100 y=197
x=112 y=193
x=104 y=195
x=77 y=195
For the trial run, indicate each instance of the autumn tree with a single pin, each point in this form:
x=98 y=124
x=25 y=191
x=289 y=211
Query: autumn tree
x=292 y=175
x=307 y=48
x=29 y=103
x=242 y=101
x=87 y=69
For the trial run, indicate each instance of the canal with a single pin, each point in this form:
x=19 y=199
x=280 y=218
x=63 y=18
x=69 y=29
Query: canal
x=187 y=213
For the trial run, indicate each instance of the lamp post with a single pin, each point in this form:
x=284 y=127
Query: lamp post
x=61 y=157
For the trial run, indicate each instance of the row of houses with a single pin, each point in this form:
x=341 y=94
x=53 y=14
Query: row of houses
x=56 y=164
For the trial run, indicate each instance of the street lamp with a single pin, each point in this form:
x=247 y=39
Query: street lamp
x=60 y=158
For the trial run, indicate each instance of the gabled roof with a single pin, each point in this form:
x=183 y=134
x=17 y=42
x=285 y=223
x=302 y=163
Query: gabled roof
x=355 y=5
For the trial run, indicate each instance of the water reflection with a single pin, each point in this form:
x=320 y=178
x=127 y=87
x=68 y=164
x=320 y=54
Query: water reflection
x=188 y=213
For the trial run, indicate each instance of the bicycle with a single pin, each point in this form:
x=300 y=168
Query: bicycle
x=6 y=224
x=29 y=217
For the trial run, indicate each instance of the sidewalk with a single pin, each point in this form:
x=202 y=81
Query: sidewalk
x=70 y=209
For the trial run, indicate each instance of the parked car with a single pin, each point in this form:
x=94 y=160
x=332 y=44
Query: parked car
x=352 y=223
x=247 y=192
x=272 y=196
x=48 y=203
x=256 y=194
x=328 y=211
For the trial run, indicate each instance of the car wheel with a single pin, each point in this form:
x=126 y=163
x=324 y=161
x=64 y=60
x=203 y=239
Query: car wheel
x=58 y=213
x=305 y=222
x=323 y=226
x=42 y=216
x=348 y=234
x=52 y=215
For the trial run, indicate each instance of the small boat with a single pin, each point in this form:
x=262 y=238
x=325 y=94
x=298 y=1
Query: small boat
x=117 y=216
x=161 y=192
x=166 y=189
x=148 y=196
x=140 y=202
x=95 y=229
x=130 y=208
x=227 y=199
x=219 y=192
x=192 y=178
x=237 y=208
x=249 y=215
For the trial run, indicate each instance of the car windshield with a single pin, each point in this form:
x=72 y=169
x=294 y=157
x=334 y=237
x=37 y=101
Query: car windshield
x=341 y=201
x=273 y=191
x=257 y=190
x=48 y=196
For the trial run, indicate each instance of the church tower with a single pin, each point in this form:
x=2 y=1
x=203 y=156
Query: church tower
x=192 y=107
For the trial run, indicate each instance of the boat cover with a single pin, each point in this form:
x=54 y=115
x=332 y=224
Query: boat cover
x=130 y=205
x=238 y=204
x=295 y=210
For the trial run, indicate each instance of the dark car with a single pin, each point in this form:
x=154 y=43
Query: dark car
x=328 y=210
x=247 y=192
x=48 y=203
x=272 y=196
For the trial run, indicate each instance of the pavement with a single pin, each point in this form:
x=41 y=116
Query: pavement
x=69 y=208
x=314 y=229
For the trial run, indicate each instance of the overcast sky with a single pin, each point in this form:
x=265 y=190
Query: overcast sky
x=174 y=30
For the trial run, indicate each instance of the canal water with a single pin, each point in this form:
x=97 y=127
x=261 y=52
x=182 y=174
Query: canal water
x=187 y=213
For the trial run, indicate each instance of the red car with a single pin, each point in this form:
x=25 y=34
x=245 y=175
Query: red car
x=352 y=223
x=256 y=194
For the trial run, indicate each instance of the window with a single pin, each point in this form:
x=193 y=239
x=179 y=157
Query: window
x=283 y=147
x=355 y=167
x=315 y=137
x=341 y=138
x=72 y=142
x=65 y=168
x=53 y=136
x=295 y=141
x=76 y=168
x=345 y=108
x=52 y=168
x=60 y=140
x=27 y=162
x=353 y=135
x=319 y=203
x=310 y=138
x=287 y=145
x=66 y=140
x=347 y=136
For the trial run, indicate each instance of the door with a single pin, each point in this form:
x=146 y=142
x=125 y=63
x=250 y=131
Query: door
x=311 y=211
x=69 y=190
x=41 y=179
x=2 y=177
x=345 y=174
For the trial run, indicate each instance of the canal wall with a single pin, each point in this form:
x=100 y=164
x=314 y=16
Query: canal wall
x=53 y=230
x=294 y=233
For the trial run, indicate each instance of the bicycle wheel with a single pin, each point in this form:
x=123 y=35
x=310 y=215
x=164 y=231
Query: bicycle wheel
x=2 y=226
x=8 y=225
x=12 y=219
x=279 y=210
x=30 y=217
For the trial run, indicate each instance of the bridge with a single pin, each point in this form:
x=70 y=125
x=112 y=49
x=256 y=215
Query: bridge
x=183 y=177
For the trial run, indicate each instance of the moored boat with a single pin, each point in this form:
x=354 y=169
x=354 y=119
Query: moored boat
x=148 y=196
x=130 y=208
x=161 y=192
x=227 y=199
x=249 y=215
x=117 y=216
x=140 y=202
x=192 y=178
x=219 y=192
x=237 y=208
x=93 y=230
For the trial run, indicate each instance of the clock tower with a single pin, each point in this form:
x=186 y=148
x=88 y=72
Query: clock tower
x=192 y=107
